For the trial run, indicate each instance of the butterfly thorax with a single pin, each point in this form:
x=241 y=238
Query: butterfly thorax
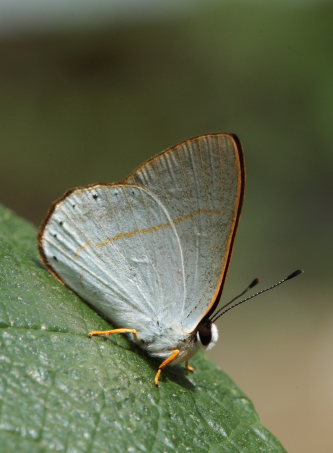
x=159 y=341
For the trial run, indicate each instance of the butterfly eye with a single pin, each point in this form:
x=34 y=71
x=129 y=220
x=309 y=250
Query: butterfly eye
x=204 y=333
x=207 y=334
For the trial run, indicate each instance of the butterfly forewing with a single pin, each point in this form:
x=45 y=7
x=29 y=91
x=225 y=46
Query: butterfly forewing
x=201 y=182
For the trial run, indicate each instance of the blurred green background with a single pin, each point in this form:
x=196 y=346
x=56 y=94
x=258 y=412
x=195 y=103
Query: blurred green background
x=88 y=93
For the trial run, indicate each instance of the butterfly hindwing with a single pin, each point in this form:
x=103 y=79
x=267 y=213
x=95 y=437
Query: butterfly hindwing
x=116 y=246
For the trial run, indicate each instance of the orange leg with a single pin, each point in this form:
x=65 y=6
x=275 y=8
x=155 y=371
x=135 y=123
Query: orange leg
x=174 y=355
x=188 y=367
x=106 y=333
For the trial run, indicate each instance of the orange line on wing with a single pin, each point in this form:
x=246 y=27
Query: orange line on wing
x=157 y=227
x=151 y=229
x=79 y=250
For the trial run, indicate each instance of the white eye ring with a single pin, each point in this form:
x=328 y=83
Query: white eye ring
x=215 y=337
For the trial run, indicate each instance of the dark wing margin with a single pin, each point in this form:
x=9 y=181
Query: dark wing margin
x=216 y=299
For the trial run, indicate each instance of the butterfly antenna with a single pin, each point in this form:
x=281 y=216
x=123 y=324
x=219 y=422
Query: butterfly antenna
x=224 y=310
x=251 y=285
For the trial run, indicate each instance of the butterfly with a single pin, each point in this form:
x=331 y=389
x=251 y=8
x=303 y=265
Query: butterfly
x=152 y=252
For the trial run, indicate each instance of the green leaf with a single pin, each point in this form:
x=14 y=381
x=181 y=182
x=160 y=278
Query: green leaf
x=61 y=391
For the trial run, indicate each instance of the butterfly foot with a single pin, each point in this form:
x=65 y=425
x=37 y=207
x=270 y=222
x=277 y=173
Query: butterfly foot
x=157 y=378
x=171 y=358
x=188 y=367
x=106 y=333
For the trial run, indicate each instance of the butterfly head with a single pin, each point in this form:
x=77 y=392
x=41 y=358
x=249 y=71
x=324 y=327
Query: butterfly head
x=207 y=333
